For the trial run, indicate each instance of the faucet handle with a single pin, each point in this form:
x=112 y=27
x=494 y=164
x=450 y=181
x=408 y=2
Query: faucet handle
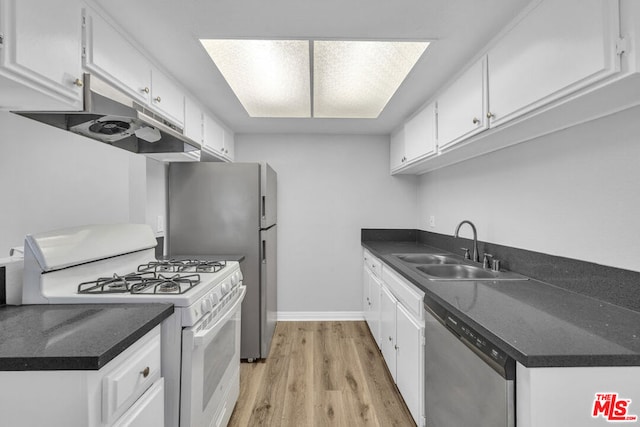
x=486 y=263
x=467 y=255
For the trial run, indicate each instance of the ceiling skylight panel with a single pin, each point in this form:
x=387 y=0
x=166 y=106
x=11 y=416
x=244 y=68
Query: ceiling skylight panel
x=270 y=78
x=356 y=79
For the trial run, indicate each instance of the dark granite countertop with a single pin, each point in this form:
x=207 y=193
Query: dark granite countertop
x=73 y=336
x=538 y=324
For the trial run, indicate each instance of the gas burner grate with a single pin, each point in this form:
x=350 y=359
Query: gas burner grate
x=183 y=266
x=166 y=285
x=113 y=285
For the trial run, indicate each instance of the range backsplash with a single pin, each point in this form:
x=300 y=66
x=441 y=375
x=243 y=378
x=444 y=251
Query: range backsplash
x=614 y=285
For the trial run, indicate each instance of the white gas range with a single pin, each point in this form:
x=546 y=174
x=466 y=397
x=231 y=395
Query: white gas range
x=116 y=264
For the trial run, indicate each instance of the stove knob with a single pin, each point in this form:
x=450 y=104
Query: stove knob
x=205 y=305
x=234 y=279
x=225 y=288
x=214 y=300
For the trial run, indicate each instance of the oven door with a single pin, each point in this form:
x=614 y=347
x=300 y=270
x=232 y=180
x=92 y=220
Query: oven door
x=211 y=367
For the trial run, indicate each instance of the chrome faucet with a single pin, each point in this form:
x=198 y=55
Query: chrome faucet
x=476 y=255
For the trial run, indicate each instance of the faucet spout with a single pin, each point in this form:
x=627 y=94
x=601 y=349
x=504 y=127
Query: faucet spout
x=476 y=255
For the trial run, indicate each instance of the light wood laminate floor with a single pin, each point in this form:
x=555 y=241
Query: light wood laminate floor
x=320 y=374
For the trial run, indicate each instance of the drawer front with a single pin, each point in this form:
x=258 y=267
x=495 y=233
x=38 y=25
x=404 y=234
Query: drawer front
x=408 y=295
x=131 y=378
x=372 y=263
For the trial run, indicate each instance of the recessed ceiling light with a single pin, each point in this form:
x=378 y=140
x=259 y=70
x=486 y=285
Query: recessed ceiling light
x=351 y=79
x=269 y=77
x=356 y=79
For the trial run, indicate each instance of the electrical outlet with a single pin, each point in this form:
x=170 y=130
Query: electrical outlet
x=160 y=224
x=432 y=221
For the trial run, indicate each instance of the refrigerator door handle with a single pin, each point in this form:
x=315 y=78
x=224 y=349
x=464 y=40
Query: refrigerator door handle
x=264 y=251
x=264 y=207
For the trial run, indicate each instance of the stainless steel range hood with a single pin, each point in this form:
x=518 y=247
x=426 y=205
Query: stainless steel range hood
x=111 y=117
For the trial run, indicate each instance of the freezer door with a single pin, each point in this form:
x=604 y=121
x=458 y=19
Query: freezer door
x=269 y=190
x=268 y=287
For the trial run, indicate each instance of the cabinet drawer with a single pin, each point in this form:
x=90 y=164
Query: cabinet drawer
x=132 y=377
x=372 y=263
x=408 y=295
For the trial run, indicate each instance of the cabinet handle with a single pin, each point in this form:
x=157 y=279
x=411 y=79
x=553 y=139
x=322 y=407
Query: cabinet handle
x=157 y=99
x=395 y=346
x=390 y=339
x=476 y=120
x=145 y=90
x=145 y=372
x=78 y=82
x=490 y=115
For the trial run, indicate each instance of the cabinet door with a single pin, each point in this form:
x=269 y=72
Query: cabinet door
x=420 y=134
x=229 y=144
x=166 y=97
x=388 y=329
x=375 y=287
x=410 y=362
x=396 y=149
x=147 y=411
x=41 y=49
x=557 y=48
x=192 y=120
x=462 y=107
x=213 y=136
x=111 y=57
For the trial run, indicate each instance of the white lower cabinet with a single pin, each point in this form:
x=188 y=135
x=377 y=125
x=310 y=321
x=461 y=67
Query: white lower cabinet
x=127 y=391
x=388 y=329
x=393 y=310
x=147 y=411
x=371 y=303
x=577 y=396
x=410 y=361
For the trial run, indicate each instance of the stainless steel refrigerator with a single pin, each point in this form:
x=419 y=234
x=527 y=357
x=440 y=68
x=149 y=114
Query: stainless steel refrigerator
x=230 y=208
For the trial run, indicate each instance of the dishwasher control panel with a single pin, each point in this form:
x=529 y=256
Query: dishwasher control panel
x=500 y=360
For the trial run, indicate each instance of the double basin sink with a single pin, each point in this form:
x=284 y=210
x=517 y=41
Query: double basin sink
x=447 y=267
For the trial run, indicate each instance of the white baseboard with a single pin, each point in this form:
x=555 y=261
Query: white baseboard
x=288 y=316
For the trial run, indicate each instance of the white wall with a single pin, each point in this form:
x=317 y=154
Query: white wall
x=329 y=187
x=156 y=197
x=52 y=179
x=575 y=193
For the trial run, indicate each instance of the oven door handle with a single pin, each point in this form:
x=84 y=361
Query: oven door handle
x=205 y=336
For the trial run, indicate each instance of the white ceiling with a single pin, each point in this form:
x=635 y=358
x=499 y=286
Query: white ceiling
x=170 y=29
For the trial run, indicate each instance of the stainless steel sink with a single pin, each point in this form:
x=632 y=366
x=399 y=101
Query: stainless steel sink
x=428 y=259
x=465 y=272
x=457 y=272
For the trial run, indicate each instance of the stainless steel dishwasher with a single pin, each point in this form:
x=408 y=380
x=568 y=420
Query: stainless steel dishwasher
x=469 y=382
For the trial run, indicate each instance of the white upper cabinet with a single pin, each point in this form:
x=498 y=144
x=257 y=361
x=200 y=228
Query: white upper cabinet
x=213 y=136
x=166 y=97
x=193 y=125
x=396 y=149
x=40 y=55
x=462 y=107
x=229 y=144
x=420 y=134
x=555 y=49
x=110 y=56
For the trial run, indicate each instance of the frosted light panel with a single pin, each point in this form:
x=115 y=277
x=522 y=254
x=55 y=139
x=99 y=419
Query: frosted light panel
x=269 y=77
x=356 y=79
